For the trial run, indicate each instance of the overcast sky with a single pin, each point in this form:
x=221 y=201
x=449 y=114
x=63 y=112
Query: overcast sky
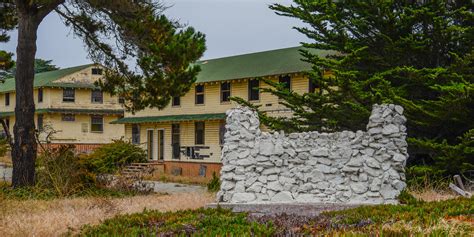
x=231 y=26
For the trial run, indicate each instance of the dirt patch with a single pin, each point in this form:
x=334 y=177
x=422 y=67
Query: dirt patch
x=55 y=217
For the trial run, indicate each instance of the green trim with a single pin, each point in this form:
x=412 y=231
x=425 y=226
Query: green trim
x=69 y=111
x=170 y=118
x=46 y=79
x=260 y=64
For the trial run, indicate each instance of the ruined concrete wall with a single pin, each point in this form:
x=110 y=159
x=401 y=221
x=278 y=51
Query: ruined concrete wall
x=341 y=167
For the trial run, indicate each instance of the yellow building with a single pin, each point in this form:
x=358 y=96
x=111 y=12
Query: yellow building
x=187 y=135
x=68 y=103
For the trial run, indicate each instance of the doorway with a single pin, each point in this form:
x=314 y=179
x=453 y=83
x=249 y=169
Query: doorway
x=156 y=145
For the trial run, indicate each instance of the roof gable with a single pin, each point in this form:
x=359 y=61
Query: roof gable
x=44 y=79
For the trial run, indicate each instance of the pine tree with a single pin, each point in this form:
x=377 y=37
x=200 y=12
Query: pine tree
x=418 y=54
x=115 y=32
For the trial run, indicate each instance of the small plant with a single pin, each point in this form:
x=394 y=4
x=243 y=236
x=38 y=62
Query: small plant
x=111 y=157
x=214 y=184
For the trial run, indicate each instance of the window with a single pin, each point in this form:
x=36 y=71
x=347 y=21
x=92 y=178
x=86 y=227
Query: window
x=286 y=81
x=69 y=95
x=225 y=92
x=254 y=89
x=199 y=133
x=96 y=71
x=97 y=123
x=97 y=96
x=200 y=94
x=40 y=122
x=40 y=95
x=7 y=99
x=176 y=101
x=221 y=132
x=175 y=140
x=311 y=86
x=121 y=100
x=68 y=117
x=135 y=134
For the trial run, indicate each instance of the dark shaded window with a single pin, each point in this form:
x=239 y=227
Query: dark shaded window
x=254 y=89
x=200 y=94
x=221 y=132
x=97 y=96
x=175 y=140
x=96 y=71
x=40 y=122
x=176 y=101
x=69 y=95
x=121 y=100
x=311 y=86
x=199 y=133
x=135 y=134
x=7 y=99
x=286 y=81
x=40 y=95
x=225 y=92
x=68 y=117
x=97 y=123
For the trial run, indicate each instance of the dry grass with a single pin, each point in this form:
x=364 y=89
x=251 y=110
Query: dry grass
x=6 y=159
x=53 y=218
x=431 y=195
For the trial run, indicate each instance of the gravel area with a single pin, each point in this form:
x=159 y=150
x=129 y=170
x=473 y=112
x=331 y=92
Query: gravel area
x=171 y=188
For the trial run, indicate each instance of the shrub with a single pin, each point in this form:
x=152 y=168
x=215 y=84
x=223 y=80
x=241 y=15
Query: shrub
x=59 y=171
x=111 y=157
x=4 y=146
x=214 y=184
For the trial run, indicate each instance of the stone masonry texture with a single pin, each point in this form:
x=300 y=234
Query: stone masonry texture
x=313 y=167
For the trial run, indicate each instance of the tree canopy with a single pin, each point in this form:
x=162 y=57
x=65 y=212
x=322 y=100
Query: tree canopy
x=418 y=54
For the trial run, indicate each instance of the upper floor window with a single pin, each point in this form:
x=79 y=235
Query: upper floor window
x=286 y=81
x=199 y=130
x=40 y=95
x=97 y=96
x=199 y=94
x=40 y=122
x=68 y=117
x=135 y=134
x=176 y=101
x=225 y=92
x=254 y=89
x=311 y=86
x=97 y=123
x=7 y=99
x=121 y=100
x=69 y=95
x=96 y=71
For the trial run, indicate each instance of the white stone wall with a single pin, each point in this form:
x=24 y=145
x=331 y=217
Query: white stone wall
x=314 y=167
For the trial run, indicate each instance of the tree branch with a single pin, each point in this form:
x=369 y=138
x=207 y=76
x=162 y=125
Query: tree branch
x=7 y=132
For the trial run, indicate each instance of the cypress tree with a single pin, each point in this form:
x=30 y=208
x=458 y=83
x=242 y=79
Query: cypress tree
x=418 y=54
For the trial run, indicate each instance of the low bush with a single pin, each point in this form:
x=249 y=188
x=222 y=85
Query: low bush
x=214 y=184
x=111 y=157
x=447 y=218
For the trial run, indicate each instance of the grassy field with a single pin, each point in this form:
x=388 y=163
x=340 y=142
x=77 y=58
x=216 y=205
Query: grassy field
x=55 y=217
x=454 y=217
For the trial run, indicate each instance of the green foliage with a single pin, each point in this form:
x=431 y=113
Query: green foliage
x=111 y=157
x=4 y=146
x=406 y=198
x=204 y=222
x=214 y=184
x=41 y=65
x=418 y=54
x=414 y=218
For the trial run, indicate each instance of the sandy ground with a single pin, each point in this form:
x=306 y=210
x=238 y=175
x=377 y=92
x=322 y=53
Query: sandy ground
x=53 y=218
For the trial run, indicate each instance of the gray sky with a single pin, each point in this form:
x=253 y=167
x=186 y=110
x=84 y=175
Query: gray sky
x=231 y=27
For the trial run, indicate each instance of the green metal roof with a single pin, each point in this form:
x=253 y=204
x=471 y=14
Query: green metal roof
x=69 y=111
x=170 y=118
x=267 y=63
x=46 y=79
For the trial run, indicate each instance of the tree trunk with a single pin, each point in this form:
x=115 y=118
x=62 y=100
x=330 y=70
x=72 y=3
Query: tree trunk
x=25 y=147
